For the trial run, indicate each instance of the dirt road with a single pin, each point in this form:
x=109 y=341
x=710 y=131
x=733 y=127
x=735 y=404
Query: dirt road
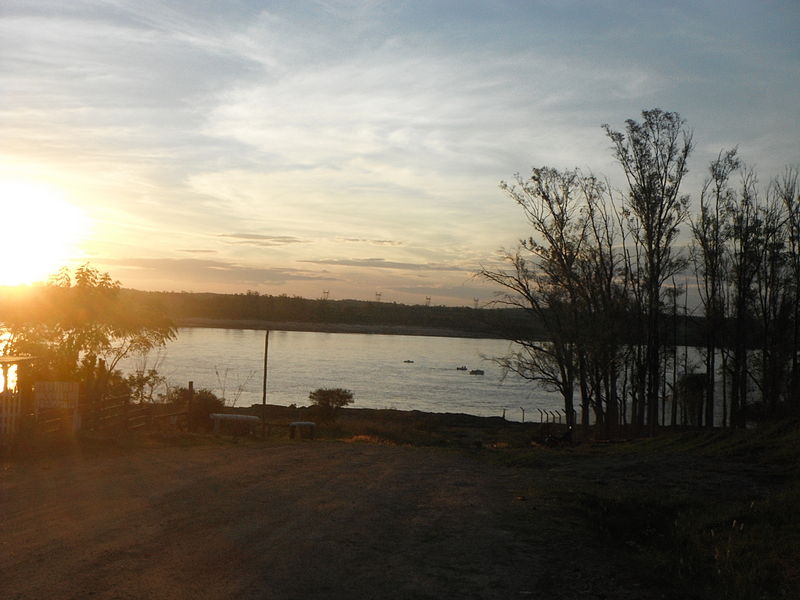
x=295 y=520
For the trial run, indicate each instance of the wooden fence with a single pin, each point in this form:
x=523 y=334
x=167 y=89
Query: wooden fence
x=117 y=413
x=58 y=409
x=10 y=413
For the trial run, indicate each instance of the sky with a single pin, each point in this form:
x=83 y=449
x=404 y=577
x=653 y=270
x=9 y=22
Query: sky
x=351 y=148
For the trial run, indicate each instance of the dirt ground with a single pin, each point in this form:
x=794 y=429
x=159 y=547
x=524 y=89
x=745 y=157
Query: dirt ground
x=306 y=519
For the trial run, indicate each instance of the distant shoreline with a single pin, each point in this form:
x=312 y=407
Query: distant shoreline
x=329 y=327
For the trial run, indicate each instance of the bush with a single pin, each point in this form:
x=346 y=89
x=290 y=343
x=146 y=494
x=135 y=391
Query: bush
x=203 y=404
x=327 y=401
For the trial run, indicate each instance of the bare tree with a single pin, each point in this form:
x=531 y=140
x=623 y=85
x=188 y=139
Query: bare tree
x=775 y=300
x=709 y=258
x=653 y=156
x=743 y=235
x=542 y=279
x=605 y=303
x=786 y=189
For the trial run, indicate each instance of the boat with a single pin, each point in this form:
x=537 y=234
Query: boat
x=408 y=361
x=476 y=372
x=462 y=368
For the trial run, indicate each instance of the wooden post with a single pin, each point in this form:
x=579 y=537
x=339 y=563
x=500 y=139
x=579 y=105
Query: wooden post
x=264 y=389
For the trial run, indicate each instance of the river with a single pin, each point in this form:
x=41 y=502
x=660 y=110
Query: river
x=376 y=368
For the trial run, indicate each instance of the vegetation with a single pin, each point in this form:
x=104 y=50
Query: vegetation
x=328 y=401
x=653 y=155
x=199 y=405
x=714 y=520
x=308 y=313
x=598 y=273
x=78 y=327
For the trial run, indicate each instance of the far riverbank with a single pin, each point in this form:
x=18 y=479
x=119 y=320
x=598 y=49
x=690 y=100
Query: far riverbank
x=331 y=327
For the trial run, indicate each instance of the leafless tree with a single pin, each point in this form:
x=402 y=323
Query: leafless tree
x=786 y=189
x=542 y=278
x=653 y=155
x=743 y=260
x=710 y=229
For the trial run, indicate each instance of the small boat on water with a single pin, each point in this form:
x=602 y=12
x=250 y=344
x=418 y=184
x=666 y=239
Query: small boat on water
x=462 y=368
x=476 y=372
x=408 y=361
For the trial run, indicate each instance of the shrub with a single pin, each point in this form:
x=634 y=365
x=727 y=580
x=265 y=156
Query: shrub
x=203 y=404
x=327 y=401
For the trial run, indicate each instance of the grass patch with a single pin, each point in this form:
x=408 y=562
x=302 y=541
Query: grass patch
x=709 y=515
x=734 y=551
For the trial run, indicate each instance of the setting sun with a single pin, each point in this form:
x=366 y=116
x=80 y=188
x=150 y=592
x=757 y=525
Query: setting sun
x=41 y=231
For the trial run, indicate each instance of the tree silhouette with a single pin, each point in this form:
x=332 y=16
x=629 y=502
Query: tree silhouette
x=653 y=155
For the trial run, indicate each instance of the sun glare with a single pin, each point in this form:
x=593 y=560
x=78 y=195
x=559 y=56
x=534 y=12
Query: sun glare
x=40 y=231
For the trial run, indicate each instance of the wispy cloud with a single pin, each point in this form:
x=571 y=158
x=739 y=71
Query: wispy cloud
x=372 y=242
x=381 y=263
x=193 y=270
x=266 y=241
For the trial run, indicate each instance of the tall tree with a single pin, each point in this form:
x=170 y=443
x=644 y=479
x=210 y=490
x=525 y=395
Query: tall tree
x=744 y=230
x=787 y=191
x=775 y=300
x=708 y=256
x=603 y=304
x=543 y=280
x=653 y=155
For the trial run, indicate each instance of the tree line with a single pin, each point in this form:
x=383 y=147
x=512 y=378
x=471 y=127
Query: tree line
x=253 y=306
x=604 y=275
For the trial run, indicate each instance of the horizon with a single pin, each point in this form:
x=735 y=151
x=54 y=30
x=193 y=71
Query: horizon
x=352 y=148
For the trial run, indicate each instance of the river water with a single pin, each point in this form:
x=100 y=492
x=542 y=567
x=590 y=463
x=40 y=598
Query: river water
x=374 y=367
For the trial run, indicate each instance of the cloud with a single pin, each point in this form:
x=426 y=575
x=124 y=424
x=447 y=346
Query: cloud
x=371 y=242
x=212 y=271
x=380 y=263
x=266 y=241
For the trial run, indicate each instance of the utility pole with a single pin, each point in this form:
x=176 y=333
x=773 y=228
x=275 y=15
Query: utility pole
x=264 y=390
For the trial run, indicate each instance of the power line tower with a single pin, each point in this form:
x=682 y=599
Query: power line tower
x=475 y=302
x=427 y=300
x=325 y=294
x=378 y=296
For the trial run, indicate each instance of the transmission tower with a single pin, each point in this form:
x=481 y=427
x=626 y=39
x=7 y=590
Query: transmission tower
x=325 y=294
x=475 y=302
x=427 y=300
x=377 y=296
